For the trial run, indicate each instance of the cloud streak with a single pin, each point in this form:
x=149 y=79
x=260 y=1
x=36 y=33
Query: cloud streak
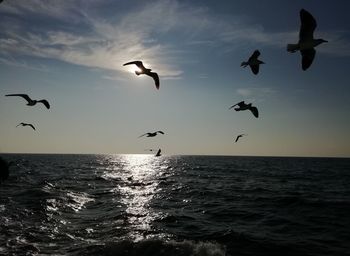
x=256 y=94
x=107 y=45
x=144 y=33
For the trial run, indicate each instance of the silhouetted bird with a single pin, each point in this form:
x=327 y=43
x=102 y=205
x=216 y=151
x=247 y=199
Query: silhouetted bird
x=25 y=124
x=150 y=149
x=31 y=102
x=242 y=106
x=4 y=169
x=151 y=134
x=306 y=42
x=158 y=152
x=1 y=1
x=145 y=71
x=253 y=62
x=239 y=136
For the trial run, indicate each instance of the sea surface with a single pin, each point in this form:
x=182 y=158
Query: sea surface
x=175 y=205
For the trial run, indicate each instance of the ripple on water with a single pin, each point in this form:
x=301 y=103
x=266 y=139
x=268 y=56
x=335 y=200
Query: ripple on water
x=77 y=200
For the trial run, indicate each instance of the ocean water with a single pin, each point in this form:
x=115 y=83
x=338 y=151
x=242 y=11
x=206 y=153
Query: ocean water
x=175 y=205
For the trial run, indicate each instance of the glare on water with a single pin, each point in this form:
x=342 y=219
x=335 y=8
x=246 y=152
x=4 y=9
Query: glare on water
x=139 y=187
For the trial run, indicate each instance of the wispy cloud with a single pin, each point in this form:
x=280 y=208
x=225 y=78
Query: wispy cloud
x=141 y=33
x=107 y=45
x=256 y=94
x=23 y=64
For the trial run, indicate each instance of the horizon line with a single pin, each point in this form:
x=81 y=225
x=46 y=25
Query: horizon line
x=170 y=155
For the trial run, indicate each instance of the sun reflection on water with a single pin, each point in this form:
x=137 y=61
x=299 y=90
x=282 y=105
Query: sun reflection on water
x=140 y=185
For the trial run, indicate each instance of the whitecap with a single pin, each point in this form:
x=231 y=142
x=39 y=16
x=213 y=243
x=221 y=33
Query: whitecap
x=78 y=200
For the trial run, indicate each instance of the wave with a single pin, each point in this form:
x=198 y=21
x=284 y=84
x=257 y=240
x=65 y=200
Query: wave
x=158 y=248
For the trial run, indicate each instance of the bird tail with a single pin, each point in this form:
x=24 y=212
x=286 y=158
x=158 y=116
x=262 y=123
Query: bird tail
x=138 y=72
x=292 y=47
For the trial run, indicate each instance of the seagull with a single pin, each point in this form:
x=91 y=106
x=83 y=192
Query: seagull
x=25 y=124
x=31 y=102
x=151 y=134
x=253 y=62
x=306 y=42
x=239 y=136
x=145 y=71
x=158 y=153
x=243 y=106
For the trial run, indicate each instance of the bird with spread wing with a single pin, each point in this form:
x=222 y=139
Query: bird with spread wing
x=145 y=71
x=31 y=102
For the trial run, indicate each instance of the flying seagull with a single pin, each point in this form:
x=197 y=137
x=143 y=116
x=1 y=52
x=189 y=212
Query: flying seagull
x=151 y=134
x=306 y=42
x=158 y=153
x=239 y=136
x=242 y=106
x=253 y=62
x=31 y=102
x=145 y=71
x=25 y=124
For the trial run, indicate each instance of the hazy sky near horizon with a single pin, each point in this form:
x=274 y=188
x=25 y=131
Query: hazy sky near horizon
x=71 y=53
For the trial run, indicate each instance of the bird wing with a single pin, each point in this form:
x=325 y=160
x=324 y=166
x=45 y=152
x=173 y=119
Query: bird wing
x=138 y=63
x=307 y=27
x=232 y=106
x=45 y=102
x=307 y=58
x=237 y=138
x=24 y=96
x=155 y=78
x=255 y=69
x=143 y=135
x=255 y=111
x=19 y=124
x=240 y=104
x=255 y=55
x=31 y=126
x=160 y=132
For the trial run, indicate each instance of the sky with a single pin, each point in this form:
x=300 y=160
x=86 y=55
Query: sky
x=72 y=53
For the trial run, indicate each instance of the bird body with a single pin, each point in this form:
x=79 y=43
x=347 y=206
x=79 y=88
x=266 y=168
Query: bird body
x=243 y=106
x=31 y=102
x=302 y=46
x=158 y=152
x=145 y=71
x=151 y=134
x=253 y=62
x=25 y=124
x=306 y=43
x=239 y=136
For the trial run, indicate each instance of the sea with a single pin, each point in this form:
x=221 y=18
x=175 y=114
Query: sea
x=175 y=205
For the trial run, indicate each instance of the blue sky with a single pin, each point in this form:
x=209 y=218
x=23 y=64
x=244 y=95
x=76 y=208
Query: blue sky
x=71 y=53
